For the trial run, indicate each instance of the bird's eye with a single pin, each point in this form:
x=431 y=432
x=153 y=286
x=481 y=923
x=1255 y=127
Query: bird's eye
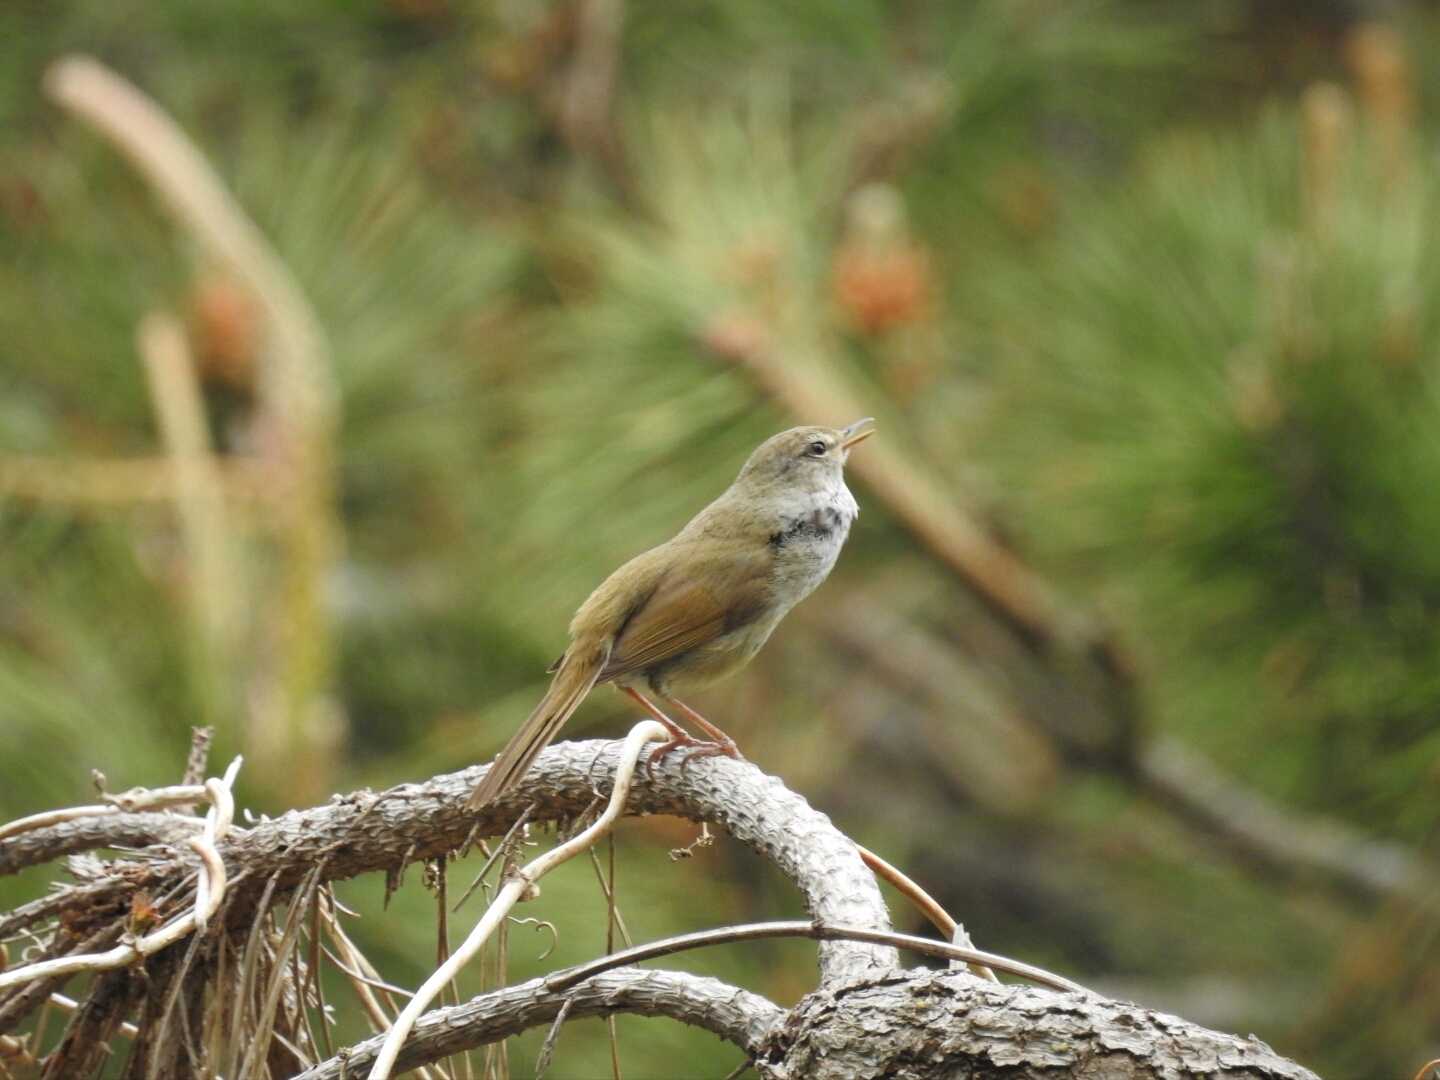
x=817 y=448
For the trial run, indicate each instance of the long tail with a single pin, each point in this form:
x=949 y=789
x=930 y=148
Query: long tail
x=578 y=671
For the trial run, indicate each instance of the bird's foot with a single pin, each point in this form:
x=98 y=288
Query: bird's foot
x=703 y=748
x=691 y=748
x=679 y=740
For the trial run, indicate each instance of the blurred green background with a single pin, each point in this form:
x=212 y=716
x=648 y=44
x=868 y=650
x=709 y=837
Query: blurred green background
x=1142 y=293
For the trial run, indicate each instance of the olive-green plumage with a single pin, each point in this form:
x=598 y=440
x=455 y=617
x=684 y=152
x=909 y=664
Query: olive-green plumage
x=699 y=606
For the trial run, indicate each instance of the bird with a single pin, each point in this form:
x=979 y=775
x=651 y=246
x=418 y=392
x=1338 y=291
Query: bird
x=698 y=607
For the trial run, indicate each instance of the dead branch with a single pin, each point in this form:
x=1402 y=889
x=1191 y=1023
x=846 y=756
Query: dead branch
x=935 y=1025
x=1279 y=840
x=364 y=833
x=735 y=1015
x=88 y=833
x=727 y=935
x=246 y=989
x=209 y=890
x=520 y=883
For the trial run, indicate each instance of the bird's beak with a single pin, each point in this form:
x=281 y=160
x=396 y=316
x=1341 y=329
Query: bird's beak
x=857 y=432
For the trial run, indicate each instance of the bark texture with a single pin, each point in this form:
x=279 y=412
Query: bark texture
x=365 y=832
x=737 y=1016
x=934 y=1025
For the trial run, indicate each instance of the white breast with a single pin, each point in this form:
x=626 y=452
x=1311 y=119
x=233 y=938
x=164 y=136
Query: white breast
x=809 y=533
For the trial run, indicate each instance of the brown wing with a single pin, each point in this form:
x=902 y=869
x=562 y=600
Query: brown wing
x=690 y=608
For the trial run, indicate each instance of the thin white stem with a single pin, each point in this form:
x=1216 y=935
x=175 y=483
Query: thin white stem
x=125 y=802
x=520 y=887
x=209 y=891
x=69 y=1004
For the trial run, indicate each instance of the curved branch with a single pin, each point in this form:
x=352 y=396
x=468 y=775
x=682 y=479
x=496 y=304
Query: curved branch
x=735 y=1015
x=364 y=832
x=724 y=935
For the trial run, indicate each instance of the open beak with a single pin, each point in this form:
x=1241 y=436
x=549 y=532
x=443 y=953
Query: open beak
x=857 y=432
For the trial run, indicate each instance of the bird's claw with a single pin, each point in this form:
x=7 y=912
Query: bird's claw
x=706 y=748
x=692 y=748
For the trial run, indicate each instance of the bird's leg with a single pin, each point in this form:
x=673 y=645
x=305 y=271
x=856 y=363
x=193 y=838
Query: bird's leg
x=678 y=736
x=719 y=744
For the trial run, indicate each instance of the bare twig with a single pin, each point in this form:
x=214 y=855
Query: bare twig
x=108 y=830
x=736 y=1015
x=520 y=886
x=926 y=904
x=209 y=890
x=547 y=1048
x=195 y=763
x=69 y=1004
x=363 y=975
x=127 y=802
x=564 y=980
x=501 y=849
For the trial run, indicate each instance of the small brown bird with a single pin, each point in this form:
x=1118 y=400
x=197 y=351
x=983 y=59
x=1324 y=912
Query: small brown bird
x=699 y=606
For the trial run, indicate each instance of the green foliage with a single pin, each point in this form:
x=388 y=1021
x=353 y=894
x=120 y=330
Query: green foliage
x=1229 y=428
x=1185 y=364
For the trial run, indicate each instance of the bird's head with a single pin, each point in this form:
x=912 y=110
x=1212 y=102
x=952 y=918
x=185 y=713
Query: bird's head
x=808 y=456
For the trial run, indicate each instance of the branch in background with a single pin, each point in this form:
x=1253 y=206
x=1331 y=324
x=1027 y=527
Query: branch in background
x=120 y=482
x=1280 y=840
x=215 y=569
x=199 y=201
x=586 y=106
x=998 y=754
x=733 y=1014
x=293 y=722
x=1075 y=673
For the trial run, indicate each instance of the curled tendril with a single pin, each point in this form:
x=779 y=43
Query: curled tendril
x=541 y=924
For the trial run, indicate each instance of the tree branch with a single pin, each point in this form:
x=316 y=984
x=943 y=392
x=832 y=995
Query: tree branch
x=1279 y=839
x=726 y=935
x=519 y=884
x=364 y=832
x=934 y=1025
x=735 y=1015
x=89 y=833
